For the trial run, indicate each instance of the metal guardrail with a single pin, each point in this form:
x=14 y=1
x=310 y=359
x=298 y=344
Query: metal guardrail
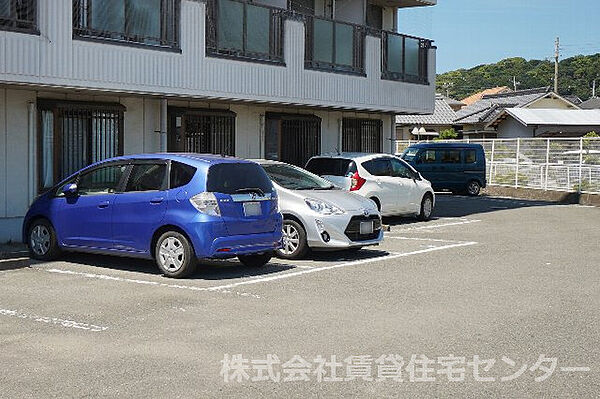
x=562 y=164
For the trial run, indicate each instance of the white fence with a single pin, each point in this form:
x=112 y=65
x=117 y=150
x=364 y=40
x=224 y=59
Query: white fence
x=561 y=164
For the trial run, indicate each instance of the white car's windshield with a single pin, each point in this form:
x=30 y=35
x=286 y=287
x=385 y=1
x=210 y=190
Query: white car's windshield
x=295 y=178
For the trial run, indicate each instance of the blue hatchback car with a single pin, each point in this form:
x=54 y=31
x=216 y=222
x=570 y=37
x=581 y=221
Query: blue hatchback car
x=174 y=208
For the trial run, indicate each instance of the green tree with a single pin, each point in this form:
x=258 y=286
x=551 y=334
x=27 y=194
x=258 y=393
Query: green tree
x=575 y=76
x=448 y=134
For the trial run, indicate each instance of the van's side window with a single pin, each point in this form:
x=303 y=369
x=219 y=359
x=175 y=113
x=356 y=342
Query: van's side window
x=470 y=156
x=428 y=156
x=450 y=156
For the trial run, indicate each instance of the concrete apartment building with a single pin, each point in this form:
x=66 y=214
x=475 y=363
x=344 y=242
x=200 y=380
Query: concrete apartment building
x=84 y=80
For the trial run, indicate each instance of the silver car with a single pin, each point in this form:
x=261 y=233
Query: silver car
x=319 y=216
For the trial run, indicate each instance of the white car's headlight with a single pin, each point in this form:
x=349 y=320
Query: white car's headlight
x=322 y=207
x=206 y=203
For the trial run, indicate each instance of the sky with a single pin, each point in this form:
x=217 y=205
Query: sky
x=468 y=33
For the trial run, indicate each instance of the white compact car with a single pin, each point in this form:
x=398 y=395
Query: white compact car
x=390 y=182
x=320 y=216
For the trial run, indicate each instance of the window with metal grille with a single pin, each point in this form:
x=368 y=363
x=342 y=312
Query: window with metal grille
x=244 y=30
x=202 y=131
x=145 y=22
x=292 y=138
x=75 y=135
x=18 y=15
x=362 y=135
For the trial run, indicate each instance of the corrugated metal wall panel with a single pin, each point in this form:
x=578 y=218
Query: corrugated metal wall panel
x=55 y=58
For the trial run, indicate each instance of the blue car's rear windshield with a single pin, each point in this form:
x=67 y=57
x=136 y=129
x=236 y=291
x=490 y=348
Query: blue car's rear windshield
x=235 y=178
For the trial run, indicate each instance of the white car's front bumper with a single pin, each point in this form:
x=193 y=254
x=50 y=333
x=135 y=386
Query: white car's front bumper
x=341 y=231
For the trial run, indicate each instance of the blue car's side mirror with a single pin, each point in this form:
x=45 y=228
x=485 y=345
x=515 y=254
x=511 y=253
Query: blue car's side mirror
x=70 y=190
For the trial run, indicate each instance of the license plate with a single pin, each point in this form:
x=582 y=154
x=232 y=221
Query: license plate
x=366 y=227
x=252 y=209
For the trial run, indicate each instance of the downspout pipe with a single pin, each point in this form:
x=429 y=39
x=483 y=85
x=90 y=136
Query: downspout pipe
x=163 y=124
x=31 y=130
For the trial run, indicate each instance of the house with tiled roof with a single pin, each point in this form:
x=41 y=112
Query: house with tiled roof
x=543 y=122
x=592 y=103
x=476 y=120
x=425 y=127
x=487 y=92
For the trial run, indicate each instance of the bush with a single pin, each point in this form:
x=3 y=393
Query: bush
x=448 y=134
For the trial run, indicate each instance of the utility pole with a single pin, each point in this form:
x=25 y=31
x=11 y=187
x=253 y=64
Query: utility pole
x=515 y=83
x=556 y=57
x=594 y=88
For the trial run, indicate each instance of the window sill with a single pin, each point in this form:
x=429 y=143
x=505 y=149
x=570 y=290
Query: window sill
x=29 y=31
x=245 y=58
x=334 y=69
x=403 y=79
x=105 y=40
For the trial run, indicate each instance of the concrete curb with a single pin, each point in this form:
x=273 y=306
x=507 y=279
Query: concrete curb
x=543 y=195
x=14 y=260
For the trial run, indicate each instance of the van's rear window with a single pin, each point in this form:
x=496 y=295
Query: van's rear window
x=331 y=166
x=233 y=178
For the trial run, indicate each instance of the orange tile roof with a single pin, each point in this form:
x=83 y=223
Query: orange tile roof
x=478 y=96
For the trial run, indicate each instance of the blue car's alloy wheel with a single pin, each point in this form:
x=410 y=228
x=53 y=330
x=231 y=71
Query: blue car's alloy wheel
x=42 y=240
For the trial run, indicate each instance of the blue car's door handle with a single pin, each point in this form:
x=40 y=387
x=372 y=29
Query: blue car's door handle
x=156 y=201
x=103 y=204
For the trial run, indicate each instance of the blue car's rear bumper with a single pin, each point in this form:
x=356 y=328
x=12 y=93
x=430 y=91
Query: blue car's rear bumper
x=225 y=247
x=210 y=240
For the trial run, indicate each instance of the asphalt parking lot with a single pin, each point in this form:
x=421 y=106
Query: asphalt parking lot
x=516 y=282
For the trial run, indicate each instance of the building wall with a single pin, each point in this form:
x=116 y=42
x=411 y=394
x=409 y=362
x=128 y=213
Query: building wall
x=350 y=11
x=554 y=103
x=54 y=59
x=510 y=128
x=141 y=123
x=14 y=160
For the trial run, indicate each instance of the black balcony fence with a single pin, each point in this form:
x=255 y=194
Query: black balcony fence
x=142 y=22
x=334 y=46
x=404 y=58
x=18 y=15
x=237 y=29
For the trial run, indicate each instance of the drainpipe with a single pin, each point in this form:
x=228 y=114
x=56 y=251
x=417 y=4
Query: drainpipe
x=163 y=125
x=340 y=135
x=262 y=136
x=32 y=151
x=392 y=134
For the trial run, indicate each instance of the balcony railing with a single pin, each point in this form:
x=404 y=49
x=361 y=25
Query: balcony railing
x=152 y=23
x=237 y=29
x=404 y=58
x=334 y=46
x=18 y=15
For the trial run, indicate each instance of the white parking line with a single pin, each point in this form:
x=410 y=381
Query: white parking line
x=435 y=226
x=144 y=282
x=226 y=287
x=423 y=239
x=347 y=264
x=53 y=320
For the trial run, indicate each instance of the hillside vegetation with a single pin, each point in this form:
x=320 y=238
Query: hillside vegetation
x=575 y=76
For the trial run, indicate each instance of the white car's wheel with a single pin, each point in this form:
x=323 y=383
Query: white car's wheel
x=294 y=241
x=426 y=207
